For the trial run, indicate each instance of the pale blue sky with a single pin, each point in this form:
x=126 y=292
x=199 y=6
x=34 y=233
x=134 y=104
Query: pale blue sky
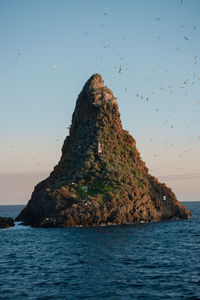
x=50 y=48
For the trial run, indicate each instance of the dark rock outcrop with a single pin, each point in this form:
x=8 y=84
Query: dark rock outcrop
x=100 y=178
x=6 y=222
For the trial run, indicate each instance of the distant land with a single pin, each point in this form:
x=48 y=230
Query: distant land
x=16 y=188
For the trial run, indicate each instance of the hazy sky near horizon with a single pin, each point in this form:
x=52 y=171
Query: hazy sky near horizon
x=148 y=53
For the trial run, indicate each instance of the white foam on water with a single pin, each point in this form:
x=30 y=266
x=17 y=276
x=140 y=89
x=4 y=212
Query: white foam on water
x=19 y=225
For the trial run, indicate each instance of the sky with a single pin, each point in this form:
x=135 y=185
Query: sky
x=147 y=53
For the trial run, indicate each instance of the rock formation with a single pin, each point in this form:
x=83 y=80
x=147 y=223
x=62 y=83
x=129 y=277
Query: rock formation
x=6 y=222
x=100 y=178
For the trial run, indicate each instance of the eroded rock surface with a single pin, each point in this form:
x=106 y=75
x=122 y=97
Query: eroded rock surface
x=6 y=222
x=100 y=178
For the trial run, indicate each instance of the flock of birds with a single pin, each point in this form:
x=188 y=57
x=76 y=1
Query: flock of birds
x=169 y=89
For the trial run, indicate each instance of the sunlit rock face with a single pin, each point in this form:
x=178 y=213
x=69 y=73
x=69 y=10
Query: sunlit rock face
x=100 y=178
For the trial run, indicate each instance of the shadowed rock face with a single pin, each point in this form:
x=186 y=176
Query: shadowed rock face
x=100 y=178
x=6 y=222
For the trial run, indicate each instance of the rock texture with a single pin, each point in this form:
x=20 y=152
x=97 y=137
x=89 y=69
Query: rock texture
x=100 y=178
x=6 y=222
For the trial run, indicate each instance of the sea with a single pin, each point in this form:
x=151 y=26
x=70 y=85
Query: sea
x=147 y=261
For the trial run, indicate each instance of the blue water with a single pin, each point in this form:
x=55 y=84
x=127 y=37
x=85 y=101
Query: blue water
x=149 y=261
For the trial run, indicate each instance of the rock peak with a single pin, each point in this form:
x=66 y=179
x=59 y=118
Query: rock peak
x=94 y=82
x=96 y=104
x=96 y=92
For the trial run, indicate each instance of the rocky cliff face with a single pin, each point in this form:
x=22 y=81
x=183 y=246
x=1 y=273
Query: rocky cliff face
x=100 y=178
x=6 y=222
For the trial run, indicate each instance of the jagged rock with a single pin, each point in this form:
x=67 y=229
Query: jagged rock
x=6 y=222
x=100 y=178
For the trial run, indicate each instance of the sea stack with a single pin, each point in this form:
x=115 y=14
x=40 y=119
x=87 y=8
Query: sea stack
x=100 y=178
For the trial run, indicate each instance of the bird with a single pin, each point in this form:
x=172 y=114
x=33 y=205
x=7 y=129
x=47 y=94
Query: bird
x=18 y=54
x=185 y=37
x=54 y=66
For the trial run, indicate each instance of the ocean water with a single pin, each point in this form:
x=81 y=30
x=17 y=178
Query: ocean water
x=147 y=261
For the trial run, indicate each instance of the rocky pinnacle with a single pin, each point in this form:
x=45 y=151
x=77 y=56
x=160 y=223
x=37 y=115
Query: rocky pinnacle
x=100 y=178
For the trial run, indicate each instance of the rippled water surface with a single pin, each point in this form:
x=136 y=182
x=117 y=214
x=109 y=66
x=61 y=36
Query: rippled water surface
x=149 y=261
